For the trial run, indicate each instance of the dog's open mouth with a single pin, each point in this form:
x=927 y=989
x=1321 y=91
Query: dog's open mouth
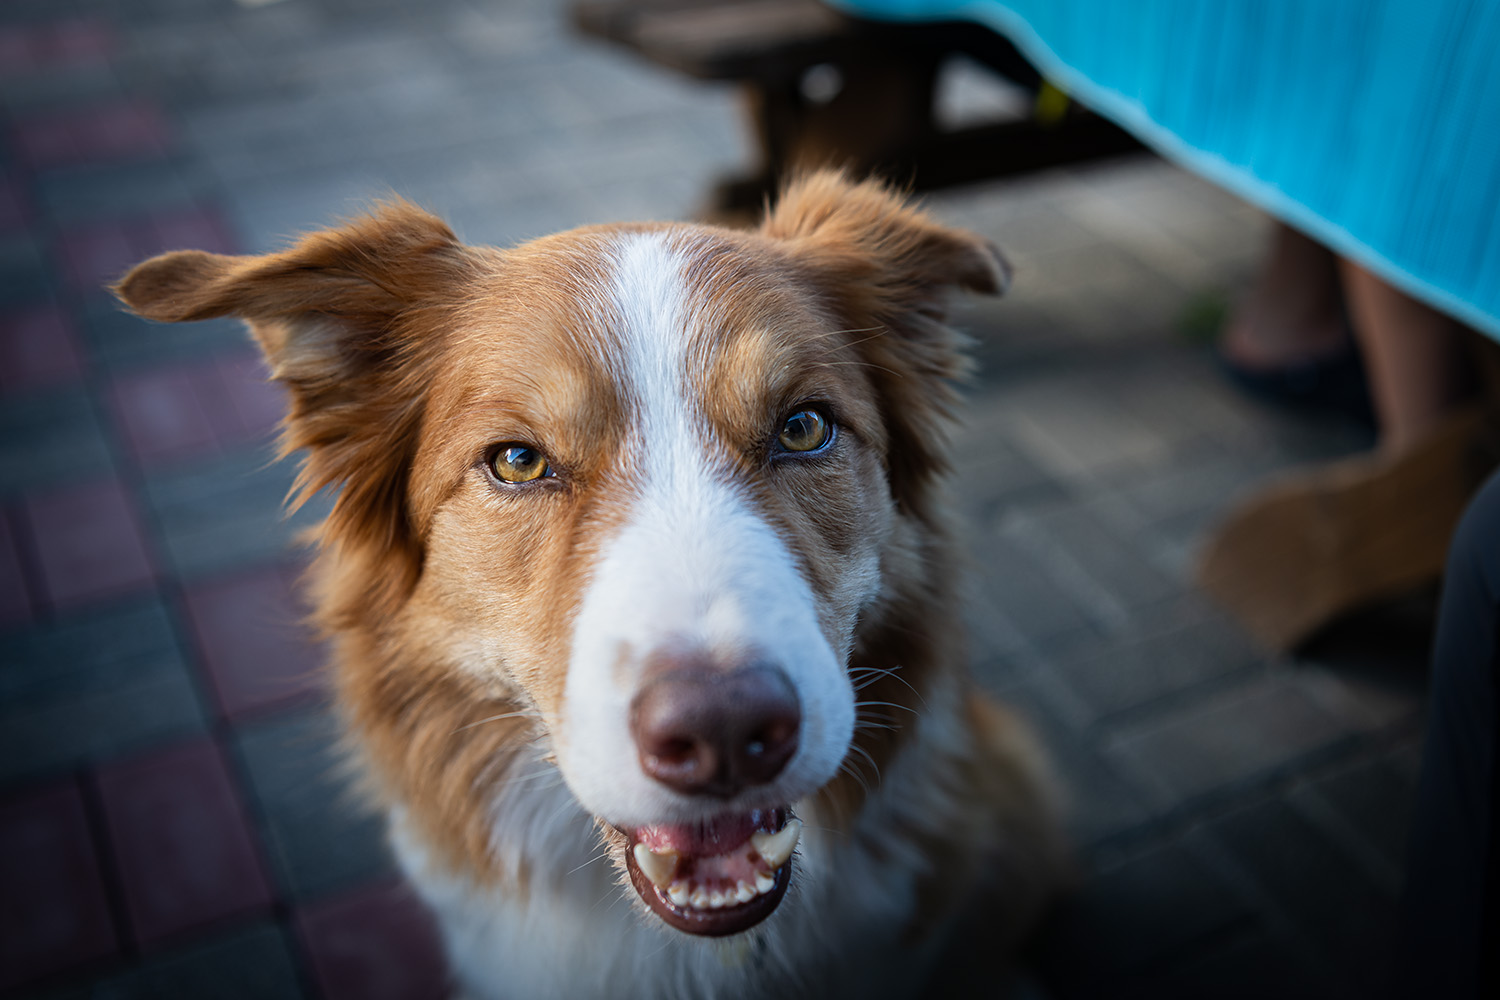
x=714 y=878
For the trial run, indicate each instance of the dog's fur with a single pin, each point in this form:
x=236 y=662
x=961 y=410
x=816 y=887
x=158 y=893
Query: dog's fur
x=488 y=638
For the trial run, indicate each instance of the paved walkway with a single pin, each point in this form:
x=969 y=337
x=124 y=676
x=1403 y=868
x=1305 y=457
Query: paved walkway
x=170 y=820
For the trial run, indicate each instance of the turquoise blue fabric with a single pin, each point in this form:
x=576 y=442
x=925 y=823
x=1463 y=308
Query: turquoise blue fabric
x=1373 y=125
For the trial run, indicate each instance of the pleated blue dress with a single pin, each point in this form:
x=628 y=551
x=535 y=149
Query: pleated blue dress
x=1372 y=125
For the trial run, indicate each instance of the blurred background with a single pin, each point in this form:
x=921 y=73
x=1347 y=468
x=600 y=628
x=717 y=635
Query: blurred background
x=171 y=820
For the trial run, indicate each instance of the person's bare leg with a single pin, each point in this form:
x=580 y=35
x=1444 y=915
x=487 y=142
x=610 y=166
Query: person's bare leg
x=1293 y=314
x=1412 y=355
x=1322 y=541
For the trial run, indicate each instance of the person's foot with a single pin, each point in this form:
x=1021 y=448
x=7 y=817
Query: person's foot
x=1323 y=542
x=1333 y=383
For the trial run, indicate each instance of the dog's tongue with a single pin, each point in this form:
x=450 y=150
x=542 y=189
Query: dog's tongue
x=719 y=835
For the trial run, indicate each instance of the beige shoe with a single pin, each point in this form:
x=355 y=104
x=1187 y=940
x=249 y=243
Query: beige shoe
x=1321 y=542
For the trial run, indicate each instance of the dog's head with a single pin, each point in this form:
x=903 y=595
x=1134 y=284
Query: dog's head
x=640 y=482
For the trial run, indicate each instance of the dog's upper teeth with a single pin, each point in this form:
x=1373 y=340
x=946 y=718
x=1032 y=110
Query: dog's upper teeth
x=776 y=847
x=659 y=868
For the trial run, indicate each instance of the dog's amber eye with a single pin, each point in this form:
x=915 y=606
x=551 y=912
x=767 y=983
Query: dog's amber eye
x=518 y=463
x=805 y=430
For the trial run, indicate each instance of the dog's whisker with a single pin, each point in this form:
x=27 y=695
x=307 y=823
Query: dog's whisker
x=524 y=713
x=601 y=854
x=885 y=704
x=858 y=364
x=859 y=779
x=874 y=332
x=891 y=673
x=826 y=334
x=543 y=773
x=866 y=755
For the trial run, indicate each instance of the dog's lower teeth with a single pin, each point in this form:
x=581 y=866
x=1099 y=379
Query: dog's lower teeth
x=661 y=868
x=683 y=893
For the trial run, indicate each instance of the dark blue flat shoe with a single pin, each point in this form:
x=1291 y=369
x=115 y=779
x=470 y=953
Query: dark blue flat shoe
x=1335 y=384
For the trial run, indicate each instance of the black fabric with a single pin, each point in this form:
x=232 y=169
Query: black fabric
x=1449 y=938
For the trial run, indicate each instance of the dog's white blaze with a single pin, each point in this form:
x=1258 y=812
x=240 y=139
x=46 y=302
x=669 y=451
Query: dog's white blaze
x=693 y=564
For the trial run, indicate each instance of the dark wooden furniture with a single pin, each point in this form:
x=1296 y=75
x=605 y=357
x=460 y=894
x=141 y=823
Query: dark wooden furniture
x=825 y=88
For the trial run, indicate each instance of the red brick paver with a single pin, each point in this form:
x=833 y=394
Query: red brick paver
x=88 y=541
x=181 y=410
x=180 y=835
x=37 y=347
x=100 y=133
x=375 y=944
x=95 y=255
x=14 y=212
x=53 y=916
x=74 y=42
x=249 y=630
x=15 y=598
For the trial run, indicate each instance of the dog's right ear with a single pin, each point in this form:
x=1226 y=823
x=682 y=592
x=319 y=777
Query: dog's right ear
x=321 y=310
x=347 y=318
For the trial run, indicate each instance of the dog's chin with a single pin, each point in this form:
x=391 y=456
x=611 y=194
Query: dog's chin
x=716 y=877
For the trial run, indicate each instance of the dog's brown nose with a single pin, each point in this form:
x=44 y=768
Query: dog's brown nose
x=707 y=731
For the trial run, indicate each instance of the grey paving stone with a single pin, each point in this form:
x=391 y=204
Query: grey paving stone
x=1228 y=738
x=1330 y=900
x=1099 y=803
x=256 y=963
x=1108 y=574
x=68 y=85
x=989 y=471
x=122 y=341
x=1130 y=921
x=320 y=838
x=270 y=214
x=1125 y=672
x=1180 y=393
x=1025 y=228
x=1069 y=426
x=91 y=686
x=1013 y=596
x=92 y=192
x=24 y=273
x=50 y=436
x=1251 y=967
x=228 y=512
x=1365 y=700
x=1172 y=511
x=1012 y=338
x=1374 y=799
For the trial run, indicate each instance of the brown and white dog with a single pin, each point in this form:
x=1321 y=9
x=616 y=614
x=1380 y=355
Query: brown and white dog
x=639 y=554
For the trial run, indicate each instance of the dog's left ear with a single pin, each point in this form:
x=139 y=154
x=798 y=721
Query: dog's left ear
x=879 y=248
x=885 y=270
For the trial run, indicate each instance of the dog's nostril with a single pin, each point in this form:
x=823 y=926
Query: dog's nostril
x=705 y=731
x=675 y=750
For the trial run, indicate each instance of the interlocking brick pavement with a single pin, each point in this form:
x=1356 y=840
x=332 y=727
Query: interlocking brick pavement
x=173 y=817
